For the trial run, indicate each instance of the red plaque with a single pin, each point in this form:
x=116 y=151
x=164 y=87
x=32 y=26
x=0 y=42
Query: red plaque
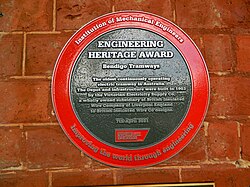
x=130 y=89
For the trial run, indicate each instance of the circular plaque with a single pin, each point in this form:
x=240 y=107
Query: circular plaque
x=130 y=89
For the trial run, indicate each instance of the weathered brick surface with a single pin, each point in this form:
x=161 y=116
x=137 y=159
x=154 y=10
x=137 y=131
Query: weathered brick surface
x=83 y=178
x=218 y=57
x=24 y=179
x=24 y=101
x=11 y=147
x=74 y=14
x=194 y=14
x=49 y=147
x=223 y=141
x=222 y=175
x=243 y=55
x=149 y=176
x=245 y=140
x=212 y=14
x=26 y=16
x=42 y=52
x=11 y=47
x=159 y=7
x=229 y=96
x=195 y=150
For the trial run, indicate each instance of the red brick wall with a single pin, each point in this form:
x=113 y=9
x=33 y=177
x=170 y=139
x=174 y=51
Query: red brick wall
x=34 y=150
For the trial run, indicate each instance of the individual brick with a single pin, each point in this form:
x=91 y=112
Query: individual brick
x=11 y=147
x=197 y=14
x=229 y=96
x=218 y=52
x=42 y=52
x=26 y=16
x=159 y=7
x=234 y=13
x=148 y=176
x=49 y=147
x=223 y=141
x=83 y=178
x=24 y=101
x=194 y=151
x=73 y=14
x=212 y=13
x=24 y=179
x=243 y=55
x=245 y=140
x=11 y=54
